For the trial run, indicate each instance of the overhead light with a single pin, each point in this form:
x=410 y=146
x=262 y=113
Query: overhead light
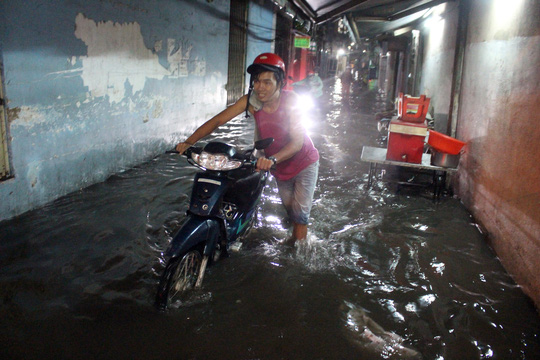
x=433 y=21
x=504 y=13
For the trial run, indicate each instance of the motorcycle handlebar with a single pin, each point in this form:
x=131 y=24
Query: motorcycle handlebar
x=251 y=163
x=186 y=153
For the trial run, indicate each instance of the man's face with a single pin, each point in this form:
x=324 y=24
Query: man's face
x=266 y=87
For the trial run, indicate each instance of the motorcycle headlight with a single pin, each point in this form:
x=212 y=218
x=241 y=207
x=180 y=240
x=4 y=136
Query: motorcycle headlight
x=215 y=161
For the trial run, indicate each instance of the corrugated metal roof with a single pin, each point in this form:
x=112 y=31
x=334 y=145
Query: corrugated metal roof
x=371 y=17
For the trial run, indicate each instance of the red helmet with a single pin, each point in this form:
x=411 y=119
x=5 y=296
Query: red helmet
x=268 y=62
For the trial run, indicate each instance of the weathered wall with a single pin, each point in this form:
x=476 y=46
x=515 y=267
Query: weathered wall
x=261 y=32
x=96 y=86
x=499 y=174
x=439 y=38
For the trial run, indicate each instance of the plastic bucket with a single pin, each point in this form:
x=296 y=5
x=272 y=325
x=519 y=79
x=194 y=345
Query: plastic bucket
x=444 y=143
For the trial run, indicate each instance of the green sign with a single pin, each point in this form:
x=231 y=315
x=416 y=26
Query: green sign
x=302 y=41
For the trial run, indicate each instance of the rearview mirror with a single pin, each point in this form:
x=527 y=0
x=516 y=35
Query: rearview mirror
x=263 y=143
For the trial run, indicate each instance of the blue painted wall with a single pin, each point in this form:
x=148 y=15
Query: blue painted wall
x=97 y=86
x=260 y=31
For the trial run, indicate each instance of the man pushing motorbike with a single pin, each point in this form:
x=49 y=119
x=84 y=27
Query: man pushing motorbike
x=277 y=116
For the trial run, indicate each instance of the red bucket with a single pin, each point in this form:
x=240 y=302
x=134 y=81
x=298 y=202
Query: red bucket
x=444 y=143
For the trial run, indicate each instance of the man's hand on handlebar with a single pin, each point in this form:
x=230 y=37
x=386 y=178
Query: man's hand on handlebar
x=264 y=164
x=182 y=147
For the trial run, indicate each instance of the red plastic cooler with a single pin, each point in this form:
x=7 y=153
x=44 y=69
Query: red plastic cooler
x=406 y=141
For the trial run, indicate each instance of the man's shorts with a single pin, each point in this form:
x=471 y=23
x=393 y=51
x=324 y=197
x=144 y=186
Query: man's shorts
x=297 y=193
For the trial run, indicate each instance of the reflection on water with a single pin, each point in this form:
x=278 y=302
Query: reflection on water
x=383 y=274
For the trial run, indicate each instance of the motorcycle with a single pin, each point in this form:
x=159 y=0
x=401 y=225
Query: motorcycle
x=222 y=208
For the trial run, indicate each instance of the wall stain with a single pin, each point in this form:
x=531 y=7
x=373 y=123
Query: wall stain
x=13 y=114
x=158 y=109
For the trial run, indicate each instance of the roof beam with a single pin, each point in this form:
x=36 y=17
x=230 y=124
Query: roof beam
x=306 y=9
x=416 y=9
x=338 y=11
x=354 y=28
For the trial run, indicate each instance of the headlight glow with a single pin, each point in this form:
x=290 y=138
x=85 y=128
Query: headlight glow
x=305 y=105
x=305 y=102
x=215 y=161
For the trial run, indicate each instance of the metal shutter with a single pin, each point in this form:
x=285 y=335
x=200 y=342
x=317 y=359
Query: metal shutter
x=237 y=50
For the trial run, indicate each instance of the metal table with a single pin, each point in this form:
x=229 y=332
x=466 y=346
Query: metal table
x=377 y=156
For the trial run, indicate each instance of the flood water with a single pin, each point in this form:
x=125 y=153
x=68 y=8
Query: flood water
x=386 y=273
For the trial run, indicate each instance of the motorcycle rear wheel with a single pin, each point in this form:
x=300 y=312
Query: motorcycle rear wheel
x=179 y=276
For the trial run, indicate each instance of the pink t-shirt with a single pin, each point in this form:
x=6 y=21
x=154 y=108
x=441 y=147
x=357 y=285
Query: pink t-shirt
x=276 y=125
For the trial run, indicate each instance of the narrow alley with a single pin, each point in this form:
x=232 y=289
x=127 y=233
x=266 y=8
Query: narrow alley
x=78 y=276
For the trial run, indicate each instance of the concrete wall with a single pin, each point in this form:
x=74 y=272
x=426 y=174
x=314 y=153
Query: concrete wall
x=499 y=174
x=498 y=117
x=439 y=39
x=96 y=86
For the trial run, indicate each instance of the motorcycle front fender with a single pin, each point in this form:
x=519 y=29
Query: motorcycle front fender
x=196 y=230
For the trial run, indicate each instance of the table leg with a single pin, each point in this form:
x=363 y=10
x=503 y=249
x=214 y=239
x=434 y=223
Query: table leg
x=372 y=167
x=435 y=185
x=439 y=181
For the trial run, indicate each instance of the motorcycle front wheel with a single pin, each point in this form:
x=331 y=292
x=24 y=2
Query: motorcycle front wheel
x=179 y=276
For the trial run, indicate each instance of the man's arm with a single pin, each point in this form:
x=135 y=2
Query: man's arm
x=208 y=127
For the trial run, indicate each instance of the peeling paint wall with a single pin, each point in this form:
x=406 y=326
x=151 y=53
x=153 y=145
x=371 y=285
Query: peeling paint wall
x=499 y=118
x=94 y=87
x=116 y=55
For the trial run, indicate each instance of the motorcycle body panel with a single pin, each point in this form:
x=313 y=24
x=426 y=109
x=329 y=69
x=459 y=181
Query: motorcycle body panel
x=196 y=230
x=208 y=190
x=241 y=201
x=221 y=210
x=238 y=224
